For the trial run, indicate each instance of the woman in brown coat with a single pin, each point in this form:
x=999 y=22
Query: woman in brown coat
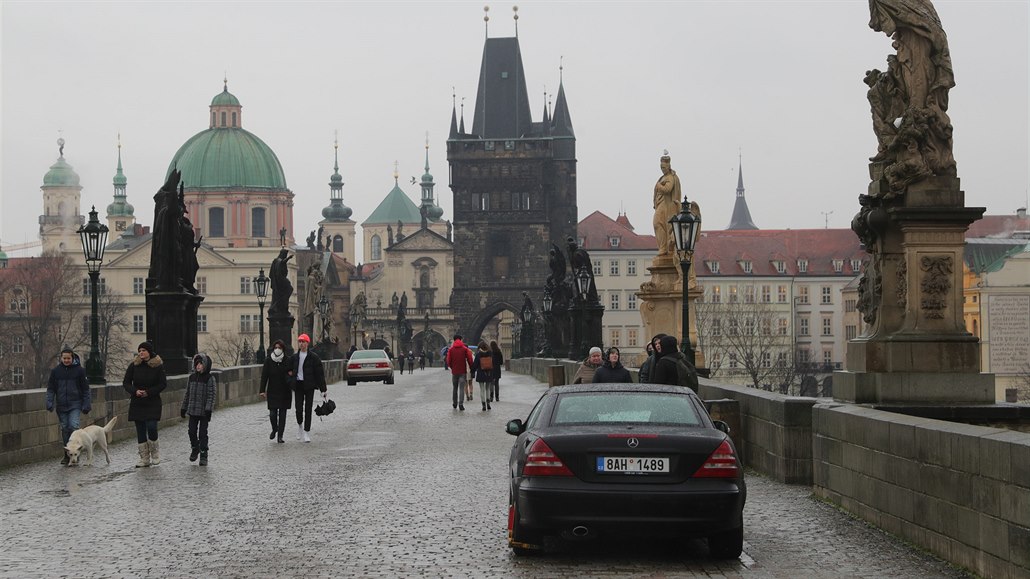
x=144 y=381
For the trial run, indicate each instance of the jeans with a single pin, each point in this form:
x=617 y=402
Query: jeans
x=458 y=394
x=305 y=400
x=146 y=429
x=198 y=439
x=69 y=423
x=484 y=391
x=495 y=389
x=277 y=416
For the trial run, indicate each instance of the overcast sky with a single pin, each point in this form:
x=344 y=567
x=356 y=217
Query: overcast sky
x=778 y=81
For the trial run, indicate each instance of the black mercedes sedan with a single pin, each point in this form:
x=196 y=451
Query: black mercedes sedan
x=628 y=459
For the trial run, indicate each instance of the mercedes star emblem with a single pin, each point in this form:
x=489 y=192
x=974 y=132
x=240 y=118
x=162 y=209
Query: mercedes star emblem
x=632 y=442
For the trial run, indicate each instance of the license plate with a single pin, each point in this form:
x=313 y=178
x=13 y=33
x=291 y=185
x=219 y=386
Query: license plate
x=372 y=365
x=632 y=464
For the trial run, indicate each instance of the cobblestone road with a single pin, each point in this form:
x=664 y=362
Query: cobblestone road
x=394 y=484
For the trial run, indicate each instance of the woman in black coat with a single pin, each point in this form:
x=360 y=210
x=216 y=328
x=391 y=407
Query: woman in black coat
x=612 y=370
x=276 y=388
x=144 y=381
x=498 y=358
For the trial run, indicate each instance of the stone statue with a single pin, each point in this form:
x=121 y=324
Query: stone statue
x=917 y=143
x=402 y=307
x=313 y=286
x=328 y=242
x=311 y=240
x=389 y=235
x=318 y=238
x=400 y=231
x=424 y=211
x=580 y=260
x=357 y=309
x=187 y=247
x=449 y=229
x=165 y=254
x=282 y=289
x=667 y=194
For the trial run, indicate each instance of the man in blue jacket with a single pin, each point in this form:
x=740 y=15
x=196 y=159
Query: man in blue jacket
x=67 y=392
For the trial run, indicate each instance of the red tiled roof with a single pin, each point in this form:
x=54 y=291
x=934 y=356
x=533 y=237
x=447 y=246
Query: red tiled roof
x=762 y=246
x=998 y=226
x=597 y=228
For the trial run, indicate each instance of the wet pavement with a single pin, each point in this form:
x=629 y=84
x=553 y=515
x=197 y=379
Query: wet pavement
x=395 y=483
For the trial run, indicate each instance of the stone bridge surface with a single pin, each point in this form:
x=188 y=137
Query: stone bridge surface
x=395 y=483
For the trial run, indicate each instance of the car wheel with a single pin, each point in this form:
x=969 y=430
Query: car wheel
x=388 y=380
x=523 y=543
x=727 y=545
x=351 y=382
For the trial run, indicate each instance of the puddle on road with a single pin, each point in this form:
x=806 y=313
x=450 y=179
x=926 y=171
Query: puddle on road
x=367 y=443
x=76 y=485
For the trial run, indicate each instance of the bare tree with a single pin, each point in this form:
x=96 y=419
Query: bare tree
x=230 y=349
x=113 y=329
x=749 y=339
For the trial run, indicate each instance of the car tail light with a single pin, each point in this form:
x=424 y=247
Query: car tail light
x=353 y=366
x=541 y=461
x=382 y=365
x=721 y=464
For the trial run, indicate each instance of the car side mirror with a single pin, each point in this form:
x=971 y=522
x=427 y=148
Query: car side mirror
x=720 y=425
x=515 y=427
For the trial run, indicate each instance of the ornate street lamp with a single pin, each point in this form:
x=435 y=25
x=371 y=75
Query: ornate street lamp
x=261 y=285
x=94 y=240
x=323 y=312
x=685 y=226
x=516 y=336
x=583 y=282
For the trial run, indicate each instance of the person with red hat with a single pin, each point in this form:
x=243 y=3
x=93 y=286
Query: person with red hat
x=308 y=375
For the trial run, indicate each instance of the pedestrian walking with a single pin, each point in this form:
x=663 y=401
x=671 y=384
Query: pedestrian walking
x=411 y=361
x=422 y=360
x=400 y=363
x=276 y=389
x=672 y=366
x=585 y=373
x=647 y=367
x=483 y=369
x=197 y=403
x=144 y=381
x=612 y=369
x=498 y=360
x=458 y=359
x=308 y=375
x=67 y=393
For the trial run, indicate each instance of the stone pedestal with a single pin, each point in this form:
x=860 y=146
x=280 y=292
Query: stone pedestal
x=280 y=327
x=661 y=306
x=916 y=347
x=172 y=328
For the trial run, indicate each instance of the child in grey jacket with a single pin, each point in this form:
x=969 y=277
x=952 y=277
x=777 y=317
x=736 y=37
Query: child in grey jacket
x=197 y=402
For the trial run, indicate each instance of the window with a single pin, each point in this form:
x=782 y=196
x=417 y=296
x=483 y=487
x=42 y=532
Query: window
x=223 y=118
x=234 y=119
x=827 y=295
x=803 y=294
x=137 y=324
x=717 y=327
x=851 y=332
x=614 y=241
x=746 y=265
x=202 y=322
x=766 y=359
x=733 y=361
x=733 y=294
x=613 y=301
x=509 y=145
x=597 y=267
x=615 y=337
x=613 y=267
x=248 y=323
x=713 y=266
x=766 y=294
x=734 y=327
x=749 y=326
x=849 y=305
x=18 y=301
x=137 y=285
x=631 y=301
x=18 y=345
x=716 y=294
x=338 y=244
x=377 y=248
x=257 y=222
x=781 y=326
x=484 y=202
x=802 y=266
x=827 y=326
x=838 y=265
x=500 y=253
x=803 y=326
x=245 y=285
x=781 y=266
x=520 y=201
x=18 y=376
x=631 y=267
x=749 y=294
x=85 y=326
x=856 y=265
x=766 y=326
x=631 y=337
x=781 y=360
x=828 y=357
x=202 y=284
x=781 y=294
x=101 y=286
x=216 y=222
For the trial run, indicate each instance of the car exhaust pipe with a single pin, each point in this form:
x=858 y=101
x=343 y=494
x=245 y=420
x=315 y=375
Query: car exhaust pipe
x=580 y=531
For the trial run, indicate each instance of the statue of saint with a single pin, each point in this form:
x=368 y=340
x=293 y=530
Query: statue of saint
x=282 y=289
x=313 y=287
x=667 y=194
x=357 y=309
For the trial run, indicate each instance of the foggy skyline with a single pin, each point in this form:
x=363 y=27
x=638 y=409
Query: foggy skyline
x=778 y=82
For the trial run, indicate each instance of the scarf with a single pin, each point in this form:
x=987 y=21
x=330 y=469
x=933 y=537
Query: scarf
x=278 y=358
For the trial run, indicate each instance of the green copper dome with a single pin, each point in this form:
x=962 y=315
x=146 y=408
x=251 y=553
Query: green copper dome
x=395 y=207
x=120 y=208
x=223 y=158
x=225 y=98
x=61 y=174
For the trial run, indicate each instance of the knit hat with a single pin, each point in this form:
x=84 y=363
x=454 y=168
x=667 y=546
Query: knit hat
x=148 y=346
x=595 y=350
x=303 y=338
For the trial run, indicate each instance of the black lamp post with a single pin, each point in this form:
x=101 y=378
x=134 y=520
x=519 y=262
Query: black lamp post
x=527 y=347
x=261 y=285
x=547 y=302
x=583 y=286
x=94 y=240
x=685 y=226
x=516 y=337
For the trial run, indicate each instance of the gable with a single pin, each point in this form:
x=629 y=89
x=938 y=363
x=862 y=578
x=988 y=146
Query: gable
x=422 y=241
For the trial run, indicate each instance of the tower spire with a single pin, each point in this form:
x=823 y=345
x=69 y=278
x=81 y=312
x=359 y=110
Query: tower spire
x=336 y=211
x=741 y=218
x=454 y=115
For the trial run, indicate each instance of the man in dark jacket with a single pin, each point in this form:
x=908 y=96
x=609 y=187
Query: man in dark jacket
x=612 y=370
x=646 y=373
x=672 y=366
x=308 y=375
x=68 y=393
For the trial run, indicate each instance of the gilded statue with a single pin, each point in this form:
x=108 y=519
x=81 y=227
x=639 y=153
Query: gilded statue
x=667 y=193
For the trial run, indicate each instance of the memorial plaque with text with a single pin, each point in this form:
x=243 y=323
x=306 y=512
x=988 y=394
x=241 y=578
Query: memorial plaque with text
x=1009 y=318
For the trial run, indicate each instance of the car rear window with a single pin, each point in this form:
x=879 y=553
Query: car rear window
x=621 y=407
x=364 y=354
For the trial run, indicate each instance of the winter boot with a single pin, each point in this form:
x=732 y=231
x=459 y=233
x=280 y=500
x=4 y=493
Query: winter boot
x=203 y=458
x=194 y=454
x=64 y=461
x=144 y=455
x=155 y=455
x=300 y=431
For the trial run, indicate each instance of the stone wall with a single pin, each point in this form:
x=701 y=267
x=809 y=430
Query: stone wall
x=29 y=433
x=957 y=490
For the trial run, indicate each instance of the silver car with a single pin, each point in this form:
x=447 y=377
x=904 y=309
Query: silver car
x=369 y=366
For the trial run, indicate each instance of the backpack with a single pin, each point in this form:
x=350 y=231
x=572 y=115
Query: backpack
x=686 y=374
x=486 y=362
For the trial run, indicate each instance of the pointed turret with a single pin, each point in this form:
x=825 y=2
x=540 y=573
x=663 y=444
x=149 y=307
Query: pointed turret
x=502 y=101
x=336 y=211
x=741 y=218
x=454 y=122
x=547 y=116
x=120 y=213
x=432 y=211
x=562 y=122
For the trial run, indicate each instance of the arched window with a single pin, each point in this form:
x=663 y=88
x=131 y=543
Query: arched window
x=377 y=248
x=223 y=118
x=257 y=222
x=234 y=119
x=216 y=222
x=212 y=119
x=338 y=243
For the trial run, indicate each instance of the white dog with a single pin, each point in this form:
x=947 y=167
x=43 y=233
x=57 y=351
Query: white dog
x=84 y=439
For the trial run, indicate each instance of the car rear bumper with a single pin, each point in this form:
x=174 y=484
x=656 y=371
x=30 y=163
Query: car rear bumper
x=695 y=508
x=375 y=375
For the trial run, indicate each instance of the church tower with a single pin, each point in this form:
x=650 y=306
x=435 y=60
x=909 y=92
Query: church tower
x=337 y=226
x=741 y=218
x=514 y=186
x=61 y=218
x=120 y=216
